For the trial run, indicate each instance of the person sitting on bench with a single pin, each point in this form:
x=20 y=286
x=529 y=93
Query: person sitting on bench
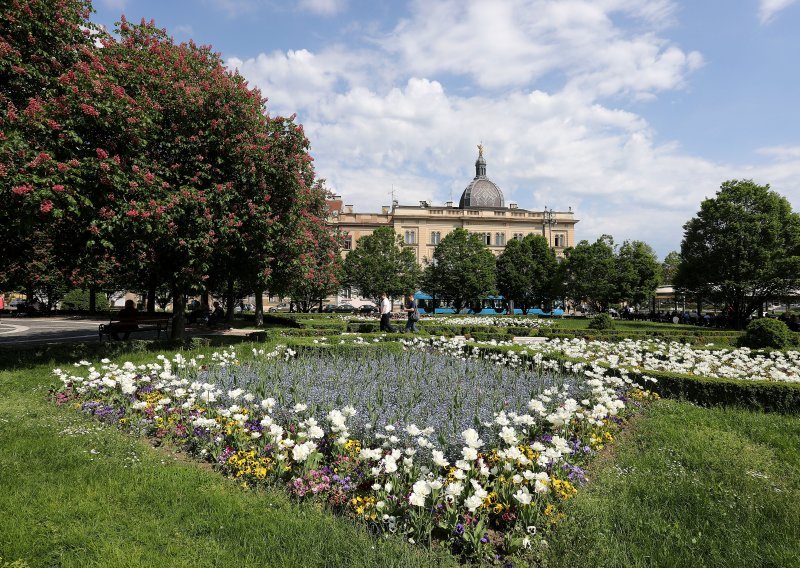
x=127 y=317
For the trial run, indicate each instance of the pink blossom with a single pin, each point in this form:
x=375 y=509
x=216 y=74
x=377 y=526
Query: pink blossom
x=102 y=154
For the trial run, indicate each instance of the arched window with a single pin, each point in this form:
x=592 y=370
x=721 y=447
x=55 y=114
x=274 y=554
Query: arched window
x=410 y=238
x=560 y=240
x=436 y=237
x=500 y=239
x=487 y=239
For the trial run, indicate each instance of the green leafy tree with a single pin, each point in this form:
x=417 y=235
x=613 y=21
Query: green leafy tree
x=669 y=268
x=742 y=248
x=78 y=299
x=525 y=271
x=462 y=269
x=380 y=263
x=590 y=273
x=638 y=272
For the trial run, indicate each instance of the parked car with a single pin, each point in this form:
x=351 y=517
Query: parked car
x=328 y=309
x=368 y=309
x=280 y=308
x=345 y=309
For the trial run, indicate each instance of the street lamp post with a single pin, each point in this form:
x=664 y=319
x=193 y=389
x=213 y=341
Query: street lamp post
x=549 y=220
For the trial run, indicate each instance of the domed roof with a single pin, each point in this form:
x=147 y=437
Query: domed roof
x=481 y=192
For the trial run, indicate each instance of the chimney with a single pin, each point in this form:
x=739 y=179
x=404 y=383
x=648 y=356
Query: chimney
x=385 y=210
x=423 y=203
x=448 y=204
x=348 y=208
x=512 y=205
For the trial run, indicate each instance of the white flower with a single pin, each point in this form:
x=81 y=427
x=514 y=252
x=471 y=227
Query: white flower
x=509 y=435
x=416 y=500
x=300 y=407
x=454 y=489
x=523 y=496
x=301 y=451
x=412 y=430
x=438 y=458
x=470 y=454
x=471 y=438
x=473 y=502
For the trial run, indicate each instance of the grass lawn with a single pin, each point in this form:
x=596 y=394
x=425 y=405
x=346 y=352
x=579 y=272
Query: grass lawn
x=690 y=486
x=684 y=486
x=75 y=493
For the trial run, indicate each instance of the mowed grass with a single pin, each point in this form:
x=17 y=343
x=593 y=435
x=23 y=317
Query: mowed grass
x=684 y=486
x=75 y=493
x=690 y=486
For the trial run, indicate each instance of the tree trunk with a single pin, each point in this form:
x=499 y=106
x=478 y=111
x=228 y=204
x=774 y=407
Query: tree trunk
x=204 y=303
x=259 y=293
x=229 y=301
x=178 y=315
x=151 y=299
x=92 y=300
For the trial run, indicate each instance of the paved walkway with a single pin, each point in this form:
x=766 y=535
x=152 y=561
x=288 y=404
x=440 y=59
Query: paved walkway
x=26 y=331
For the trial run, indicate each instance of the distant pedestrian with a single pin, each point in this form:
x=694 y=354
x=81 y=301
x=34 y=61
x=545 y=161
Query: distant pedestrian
x=413 y=314
x=386 y=314
x=127 y=317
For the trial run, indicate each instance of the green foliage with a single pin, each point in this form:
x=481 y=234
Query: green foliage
x=380 y=263
x=462 y=269
x=669 y=268
x=78 y=299
x=742 y=248
x=769 y=396
x=638 y=272
x=601 y=321
x=590 y=273
x=526 y=271
x=766 y=332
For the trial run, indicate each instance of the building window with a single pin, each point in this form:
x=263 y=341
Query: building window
x=560 y=240
x=347 y=293
x=347 y=244
x=436 y=237
x=487 y=239
x=410 y=237
x=518 y=236
x=500 y=239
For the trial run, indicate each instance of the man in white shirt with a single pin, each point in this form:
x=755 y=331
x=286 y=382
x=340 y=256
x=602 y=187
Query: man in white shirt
x=386 y=314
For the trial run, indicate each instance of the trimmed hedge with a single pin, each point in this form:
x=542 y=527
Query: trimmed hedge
x=765 y=396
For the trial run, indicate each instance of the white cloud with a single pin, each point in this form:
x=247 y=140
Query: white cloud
x=183 y=29
x=515 y=43
x=535 y=81
x=768 y=8
x=115 y=4
x=323 y=7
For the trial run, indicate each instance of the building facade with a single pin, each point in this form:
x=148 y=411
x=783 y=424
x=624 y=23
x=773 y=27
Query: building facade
x=480 y=210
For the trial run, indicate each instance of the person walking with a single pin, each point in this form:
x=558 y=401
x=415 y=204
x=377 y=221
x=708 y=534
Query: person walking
x=413 y=314
x=386 y=314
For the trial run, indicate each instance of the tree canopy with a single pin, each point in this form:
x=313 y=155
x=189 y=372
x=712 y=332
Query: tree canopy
x=527 y=271
x=462 y=269
x=741 y=249
x=380 y=263
x=143 y=162
x=638 y=272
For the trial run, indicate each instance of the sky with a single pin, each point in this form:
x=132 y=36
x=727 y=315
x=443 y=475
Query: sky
x=631 y=112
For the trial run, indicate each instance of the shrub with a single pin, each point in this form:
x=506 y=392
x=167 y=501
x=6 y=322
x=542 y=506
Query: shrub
x=601 y=321
x=79 y=300
x=766 y=332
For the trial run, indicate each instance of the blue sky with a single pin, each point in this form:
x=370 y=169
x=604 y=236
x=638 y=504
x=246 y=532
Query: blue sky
x=629 y=111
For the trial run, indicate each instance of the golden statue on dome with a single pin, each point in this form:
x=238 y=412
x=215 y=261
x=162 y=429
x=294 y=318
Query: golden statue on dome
x=480 y=150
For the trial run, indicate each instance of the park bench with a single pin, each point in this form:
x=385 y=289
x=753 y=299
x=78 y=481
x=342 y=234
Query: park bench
x=144 y=323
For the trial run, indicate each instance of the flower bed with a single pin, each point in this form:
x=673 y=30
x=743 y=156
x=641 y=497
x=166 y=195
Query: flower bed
x=479 y=454
x=674 y=357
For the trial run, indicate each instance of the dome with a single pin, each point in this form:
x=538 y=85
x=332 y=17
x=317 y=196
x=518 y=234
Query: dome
x=481 y=192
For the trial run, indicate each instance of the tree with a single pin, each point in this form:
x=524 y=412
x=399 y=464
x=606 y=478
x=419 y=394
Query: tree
x=380 y=263
x=308 y=263
x=669 y=268
x=742 y=248
x=525 y=271
x=638 y=272
x=462 y=269
x=590 y=273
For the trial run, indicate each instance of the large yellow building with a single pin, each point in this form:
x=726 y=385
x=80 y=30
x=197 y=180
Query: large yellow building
x=481 y=210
